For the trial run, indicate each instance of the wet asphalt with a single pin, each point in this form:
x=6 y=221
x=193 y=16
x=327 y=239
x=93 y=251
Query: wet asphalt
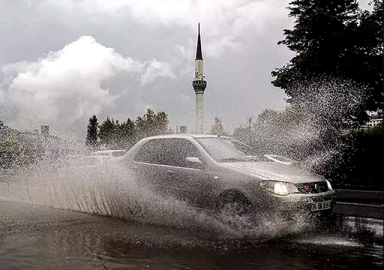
x=39 y=237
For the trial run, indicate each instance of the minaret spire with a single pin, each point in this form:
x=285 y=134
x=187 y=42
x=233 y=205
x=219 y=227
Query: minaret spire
x=199 y=54
x=199 y=85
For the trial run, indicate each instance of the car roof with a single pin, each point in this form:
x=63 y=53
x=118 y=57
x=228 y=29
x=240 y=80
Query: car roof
x=186 y=136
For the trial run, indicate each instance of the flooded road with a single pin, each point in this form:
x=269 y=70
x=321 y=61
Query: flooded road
x=39 y=237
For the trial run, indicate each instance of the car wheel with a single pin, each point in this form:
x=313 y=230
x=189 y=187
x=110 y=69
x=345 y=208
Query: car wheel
x=234 y=212
x=235 y=207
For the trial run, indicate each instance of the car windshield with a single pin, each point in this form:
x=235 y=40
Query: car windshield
x=228 y=150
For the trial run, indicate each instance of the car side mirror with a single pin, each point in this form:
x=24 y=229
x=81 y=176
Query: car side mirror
x=194 y=162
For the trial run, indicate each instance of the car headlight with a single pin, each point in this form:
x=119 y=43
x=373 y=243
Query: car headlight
x=328 y=184
x=278 y=187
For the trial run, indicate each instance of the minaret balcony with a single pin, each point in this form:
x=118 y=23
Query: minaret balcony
x=199 y=86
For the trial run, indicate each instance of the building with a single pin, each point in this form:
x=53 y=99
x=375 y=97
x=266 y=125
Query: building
x=181 y=129
x=375 y=119
x=199 y=85
x=374 y=122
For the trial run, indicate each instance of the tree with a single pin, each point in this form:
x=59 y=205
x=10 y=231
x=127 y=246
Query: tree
x=161 y=123
x=288 y=132
x=244 y=133
x=127 y=134
x=334 y=39
x=268 y=117
x=151 y=124
x=123 y=135
x=91 y=139
x=217 y=128
x=107 y=131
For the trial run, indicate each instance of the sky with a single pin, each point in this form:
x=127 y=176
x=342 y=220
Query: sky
x=63 y=61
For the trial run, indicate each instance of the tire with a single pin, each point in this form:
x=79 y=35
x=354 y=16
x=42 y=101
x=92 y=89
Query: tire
x=235 y=204
x=234 y=212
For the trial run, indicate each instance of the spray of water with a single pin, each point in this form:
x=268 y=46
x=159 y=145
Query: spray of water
x=311 y=130
x=329 y=105
x=111 y=190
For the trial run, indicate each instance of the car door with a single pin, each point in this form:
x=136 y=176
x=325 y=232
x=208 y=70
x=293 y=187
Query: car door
x=148 y=165
x=184 y=181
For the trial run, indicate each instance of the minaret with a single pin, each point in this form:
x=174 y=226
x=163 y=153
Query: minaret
x=199 y=84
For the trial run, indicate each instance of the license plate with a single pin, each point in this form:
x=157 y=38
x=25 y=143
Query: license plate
x=320 y=206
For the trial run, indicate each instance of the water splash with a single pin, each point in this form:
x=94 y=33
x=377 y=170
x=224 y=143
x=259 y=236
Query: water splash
x=312 y=128
x=111 y=190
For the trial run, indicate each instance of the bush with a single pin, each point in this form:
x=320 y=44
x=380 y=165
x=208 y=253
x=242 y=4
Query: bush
x=360 y=165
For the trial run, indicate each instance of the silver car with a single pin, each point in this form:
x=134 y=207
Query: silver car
x=216 y=172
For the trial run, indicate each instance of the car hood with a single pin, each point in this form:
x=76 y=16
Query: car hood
x=274 y=171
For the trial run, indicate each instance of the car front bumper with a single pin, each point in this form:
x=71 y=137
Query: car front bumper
x=297 y=204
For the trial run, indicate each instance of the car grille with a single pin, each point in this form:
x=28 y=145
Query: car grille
x=314 y=187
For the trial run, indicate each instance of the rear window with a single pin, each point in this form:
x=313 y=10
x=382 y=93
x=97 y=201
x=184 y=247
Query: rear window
x=118 y=153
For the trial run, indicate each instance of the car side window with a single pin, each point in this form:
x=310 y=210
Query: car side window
x=179 y=150
x=151 y=152
x=171 y=152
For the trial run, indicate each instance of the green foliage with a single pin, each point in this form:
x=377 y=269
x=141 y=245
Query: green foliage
x=267 y=116
x=334 y=78
x=127 y=134
x=244 y=133
x=274 y=131
x=360 y=164
x=271 y=122
x=151 y=124
x=217 y=128
x=108 y=132
x=334 y=39
x=113 y=134
x=91 y=139
x=373 y=131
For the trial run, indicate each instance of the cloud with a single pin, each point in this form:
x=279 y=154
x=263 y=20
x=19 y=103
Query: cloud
x=67 y=86
x=259 y=15
x=239 y=47
x=227 y=25
x=223 y=21
x=156 y=69
x=217 y=47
